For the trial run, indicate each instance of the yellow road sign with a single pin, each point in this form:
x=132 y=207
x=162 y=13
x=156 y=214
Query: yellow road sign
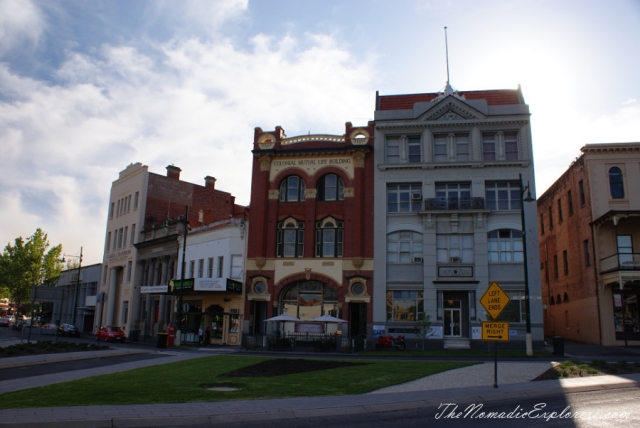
x=494 y=300
x=495 y=330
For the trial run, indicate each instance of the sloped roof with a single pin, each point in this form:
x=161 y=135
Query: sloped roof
x=406 y=102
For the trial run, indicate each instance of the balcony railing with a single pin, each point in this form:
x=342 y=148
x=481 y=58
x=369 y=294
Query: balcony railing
x=620 y=261
x=431 y=204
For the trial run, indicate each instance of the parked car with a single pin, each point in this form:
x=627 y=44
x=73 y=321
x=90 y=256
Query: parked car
x=68 y=330
x=20 y=322
x=111 y=333
x=7 y=321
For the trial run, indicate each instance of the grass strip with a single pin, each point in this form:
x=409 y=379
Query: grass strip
x=189 y=381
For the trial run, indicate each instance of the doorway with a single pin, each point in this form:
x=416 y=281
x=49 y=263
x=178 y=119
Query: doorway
x=452 y=316
x=357 y=319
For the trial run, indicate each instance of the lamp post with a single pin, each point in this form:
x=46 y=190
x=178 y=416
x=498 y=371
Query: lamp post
x=185 y=222
x=529 y=198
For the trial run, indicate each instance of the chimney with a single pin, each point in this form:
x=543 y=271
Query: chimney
x=173 y=172
x=210 y=182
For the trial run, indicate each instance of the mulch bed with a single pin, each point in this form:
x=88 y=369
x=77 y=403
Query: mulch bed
x=285 y=366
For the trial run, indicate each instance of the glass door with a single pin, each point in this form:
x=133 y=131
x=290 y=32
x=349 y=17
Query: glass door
x=452 y=309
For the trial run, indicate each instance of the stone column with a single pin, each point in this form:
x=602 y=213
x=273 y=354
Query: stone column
x=112 y=295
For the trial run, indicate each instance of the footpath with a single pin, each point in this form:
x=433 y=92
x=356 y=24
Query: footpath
x=204 y=414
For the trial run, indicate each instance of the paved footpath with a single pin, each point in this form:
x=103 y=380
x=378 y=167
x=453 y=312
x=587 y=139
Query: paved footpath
x=190 y=414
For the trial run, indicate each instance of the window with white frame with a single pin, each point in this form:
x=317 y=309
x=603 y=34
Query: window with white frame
x=511 y=146
x=455 y=248
x=500 y=145
x=516 y=309
x=192 y=268
x=404 y=305
x=133 y=234
x=292 y=189
x=451 y=147
x=210 y=267
x=453 y=195
x=402 y=149
x=502 y=196
x=414 y=149
x=488 y=147
x=404 y=198
x=330 y=188
x=236 y=266
x=462 y=148
x=329 y=237
x=440 y=148
x=504 y=246
x=200 y=268
x=135 y=200
x=220 y=266
x=129 y=268
x=290 y=238
x=616 y=184
x=404 y=246
x=393 y=150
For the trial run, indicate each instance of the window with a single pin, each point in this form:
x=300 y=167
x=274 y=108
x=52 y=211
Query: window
x=615 y=183
x=210 y=267
x=125 y=235
x=118 y=209
x=192 y=268
x=516 y=309
x=104 y=274
x=220 y=266
x=125 y=312
x=120 y=232
x=135 y=200
x=560 y=218
x=505 y=245
x=309 y=299
x=541 y=224
x=133 y=233
x=570 y=202
x=403 y=246
x=440 y=148
x=550 y=217
x=112 y=209
x=556 y=274
x=330 y=188
x=404 y=198
x=454 y=248
x=625 y=251
x=453 y=195
x=565 y=262
x=414 y=150
x=200 y=268
x=511 y=146
x=292 y=189
x=108 y=241
x=585 y=250
x=502 y=196
x=290 y=239
x=581 y=191
x=393 y=150
x=403 y=306
x=462 y=149
x=488 y=147
x=129 y=267
x=329 y=237
x=236 y=266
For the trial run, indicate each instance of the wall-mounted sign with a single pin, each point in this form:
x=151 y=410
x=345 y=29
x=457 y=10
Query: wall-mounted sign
x=186 y=284
x=234 y=286
x=149 y=289
x=208 y=284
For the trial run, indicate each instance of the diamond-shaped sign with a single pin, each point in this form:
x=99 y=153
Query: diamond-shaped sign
x=494 y=300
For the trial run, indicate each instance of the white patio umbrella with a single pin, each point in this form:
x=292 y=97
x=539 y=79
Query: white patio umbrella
x=326 y=319
x=283 y=318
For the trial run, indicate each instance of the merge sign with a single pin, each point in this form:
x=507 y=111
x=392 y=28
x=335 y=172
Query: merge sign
x=494 y=300
x=497 y=331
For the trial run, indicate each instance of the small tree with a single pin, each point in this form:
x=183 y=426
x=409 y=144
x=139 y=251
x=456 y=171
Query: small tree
x=422 y=328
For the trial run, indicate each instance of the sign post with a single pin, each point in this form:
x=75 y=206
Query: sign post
x=494 y=300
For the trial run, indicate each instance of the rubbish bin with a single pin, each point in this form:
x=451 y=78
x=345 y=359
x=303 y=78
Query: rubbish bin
x=171 y=336
x=558 y=346
x=162 y=340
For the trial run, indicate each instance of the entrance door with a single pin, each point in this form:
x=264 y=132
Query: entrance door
x=357 y=319
x=452 y=318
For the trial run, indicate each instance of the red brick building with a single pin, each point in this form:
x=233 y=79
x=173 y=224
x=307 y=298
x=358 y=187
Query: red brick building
x=310 y=249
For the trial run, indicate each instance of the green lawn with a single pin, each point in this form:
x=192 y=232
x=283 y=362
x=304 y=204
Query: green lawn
x=188 y=381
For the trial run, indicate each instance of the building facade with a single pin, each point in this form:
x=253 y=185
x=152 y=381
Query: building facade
x=311 y=236
x=78 y=296
x=448 y=210
x=589 y=226
x=146 y=220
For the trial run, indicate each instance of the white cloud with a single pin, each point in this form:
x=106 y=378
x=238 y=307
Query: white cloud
x=20 y=21
x=196 y=108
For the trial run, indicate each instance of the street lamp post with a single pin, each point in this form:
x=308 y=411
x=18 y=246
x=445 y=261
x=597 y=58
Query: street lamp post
x=185 y=222
x=529 y=198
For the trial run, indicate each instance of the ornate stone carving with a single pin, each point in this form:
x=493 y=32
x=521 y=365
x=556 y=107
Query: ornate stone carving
x=261 y=262
x=358 y=160
x=274 y=194
x=451 y=271
x=310 y=193
x=307 y=273
x=265 y=163
x=357 y=263
x=348 y=192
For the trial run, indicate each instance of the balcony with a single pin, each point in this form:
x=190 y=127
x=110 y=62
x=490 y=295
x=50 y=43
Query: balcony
x=449 y=204
x=620 y=261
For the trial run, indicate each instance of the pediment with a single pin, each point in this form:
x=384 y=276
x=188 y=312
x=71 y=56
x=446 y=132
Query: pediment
x=451 y=109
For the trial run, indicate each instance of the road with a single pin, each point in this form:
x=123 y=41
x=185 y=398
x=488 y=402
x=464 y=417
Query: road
x=550 y=412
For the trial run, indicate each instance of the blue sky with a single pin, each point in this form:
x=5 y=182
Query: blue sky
x=87 y=87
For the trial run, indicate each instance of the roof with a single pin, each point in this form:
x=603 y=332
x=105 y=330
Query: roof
x=493 y=97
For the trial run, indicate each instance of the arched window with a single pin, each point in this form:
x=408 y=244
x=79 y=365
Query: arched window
x=309 y=299
x=505 y=245
x=330 y=188
x=615 y=183
x=292 y=189
x=404 y=247
x=329 y=234
x=290 y=240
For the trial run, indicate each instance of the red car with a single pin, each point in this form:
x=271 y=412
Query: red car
x=111 y=334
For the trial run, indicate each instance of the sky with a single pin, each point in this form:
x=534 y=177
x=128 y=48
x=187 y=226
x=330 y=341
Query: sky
x=88 y=87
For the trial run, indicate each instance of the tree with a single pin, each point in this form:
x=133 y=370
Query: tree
x=28 y=263
x=422 y=328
